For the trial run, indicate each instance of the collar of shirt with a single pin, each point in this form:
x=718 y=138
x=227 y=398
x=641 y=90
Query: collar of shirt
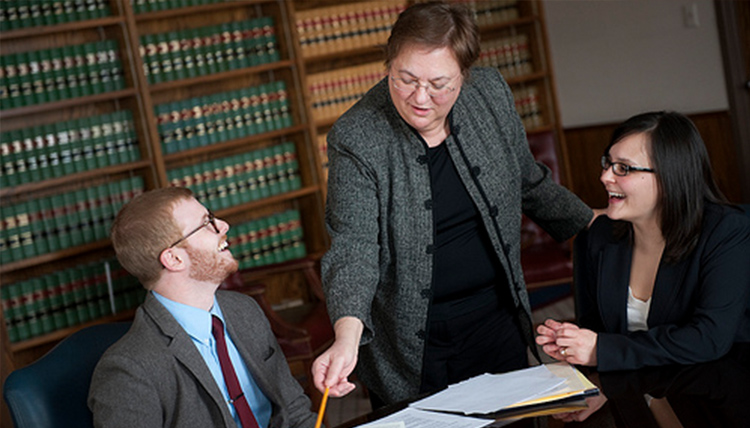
x=196 y=322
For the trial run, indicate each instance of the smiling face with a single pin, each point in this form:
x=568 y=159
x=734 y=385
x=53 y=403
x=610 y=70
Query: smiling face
x=634 y=197
x=208 y=252
x=429 y=67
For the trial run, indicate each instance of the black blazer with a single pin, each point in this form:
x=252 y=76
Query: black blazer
x=699 y=306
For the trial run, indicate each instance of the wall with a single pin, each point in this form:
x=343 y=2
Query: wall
x=613 y=59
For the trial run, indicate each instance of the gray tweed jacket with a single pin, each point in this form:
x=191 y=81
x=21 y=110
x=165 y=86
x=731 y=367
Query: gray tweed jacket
x=379 y=267
x=155 y=377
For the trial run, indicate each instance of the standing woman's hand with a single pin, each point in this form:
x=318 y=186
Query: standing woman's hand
x=333 y=367
x=576 y=345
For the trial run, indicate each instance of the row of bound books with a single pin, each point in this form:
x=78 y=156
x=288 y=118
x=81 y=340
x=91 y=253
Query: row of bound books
x=234 y=180
x=224 y=116
x=143 y=6
x=62 y=148
x=54 y=74
x=43 y=225
x=31 y=13
x=207 y=50
x=489 y=12
x=272 y=239
x=528 y=106
x=67 y=298
x=510 y=55
x=333 y=92
x=340 y=28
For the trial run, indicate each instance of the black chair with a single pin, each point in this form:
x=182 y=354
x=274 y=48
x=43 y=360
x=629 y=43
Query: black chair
x=52 y=391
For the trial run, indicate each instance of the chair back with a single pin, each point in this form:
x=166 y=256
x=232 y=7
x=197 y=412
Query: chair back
x=53 y=391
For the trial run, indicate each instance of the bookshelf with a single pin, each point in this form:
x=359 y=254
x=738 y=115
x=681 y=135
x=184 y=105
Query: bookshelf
x=110 y=98
x=342 y=49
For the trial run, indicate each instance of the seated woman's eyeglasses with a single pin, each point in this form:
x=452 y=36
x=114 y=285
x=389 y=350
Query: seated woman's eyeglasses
x=622 y=169
x=409 y=86
x=210 y=220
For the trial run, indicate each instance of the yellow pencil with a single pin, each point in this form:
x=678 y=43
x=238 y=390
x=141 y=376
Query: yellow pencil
x=322 y=409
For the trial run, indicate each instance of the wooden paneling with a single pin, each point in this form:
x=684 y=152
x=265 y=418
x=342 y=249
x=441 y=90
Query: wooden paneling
x=585 y=146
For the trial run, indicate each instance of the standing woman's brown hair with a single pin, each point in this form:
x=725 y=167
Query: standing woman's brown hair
x=436 y=25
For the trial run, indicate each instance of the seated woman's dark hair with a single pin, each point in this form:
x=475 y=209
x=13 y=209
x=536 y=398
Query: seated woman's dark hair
x=683 y=174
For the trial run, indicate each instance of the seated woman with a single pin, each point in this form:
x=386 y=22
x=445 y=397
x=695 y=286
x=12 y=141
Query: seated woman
x=664 y=277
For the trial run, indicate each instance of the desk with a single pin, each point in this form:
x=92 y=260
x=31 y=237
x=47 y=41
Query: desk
x=707 y=395
x=715 y=394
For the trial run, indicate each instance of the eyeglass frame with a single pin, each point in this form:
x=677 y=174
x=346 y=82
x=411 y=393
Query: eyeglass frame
x=210 y=220
x=414 y=87
x=607 y=163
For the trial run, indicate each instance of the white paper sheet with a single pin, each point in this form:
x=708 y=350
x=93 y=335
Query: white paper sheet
x=489 y=393
x=415 y=418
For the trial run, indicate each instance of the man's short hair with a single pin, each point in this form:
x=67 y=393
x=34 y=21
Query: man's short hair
x=144 y=228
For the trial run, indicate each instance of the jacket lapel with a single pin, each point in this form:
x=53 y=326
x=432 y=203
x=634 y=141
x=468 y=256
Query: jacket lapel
x=614 y=279
x=182 y=348
x=669 y=283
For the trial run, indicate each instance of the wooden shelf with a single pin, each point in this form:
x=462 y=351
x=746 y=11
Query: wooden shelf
x=72 y=178
x=213 y=7
x=51 y=257
x=526 y=20
x=271 y=200
x=239 y=142
x=339 y=54
x=58 y=335
x=66 y=103
x=209 y=78
x=43 y=30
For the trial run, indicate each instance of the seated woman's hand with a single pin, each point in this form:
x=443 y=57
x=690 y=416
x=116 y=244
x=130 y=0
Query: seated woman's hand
x=576 y=345
x=547 y=338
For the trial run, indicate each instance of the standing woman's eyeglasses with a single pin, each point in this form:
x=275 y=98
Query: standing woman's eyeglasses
x=210 y=220
x=622 y=169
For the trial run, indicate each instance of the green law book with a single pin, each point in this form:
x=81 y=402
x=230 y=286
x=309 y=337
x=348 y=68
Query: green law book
x=82 y=69
x=77 y=146
x=88 y=143
x=292 y=165
x=151 y=52
x=48 y=84
x=237 y=45
x=106 y=122
x=59 y=75
x=59 y=216
x=254 y=229
x=43 y=308
x=175 y=54
x=99 y=142
x=77 y=289
x=52 y=150
x=18 y=320
x=37 y=148
x=187 y=53
x=165 y=61
x=73 y=218
x=105 y=213
x=280 y=168
x=36 y=224
x=23 y=228
x=29 y=308
x=53 y=286
x=12 y=238
x=64 y=147
x=101 y=288
x=47 y=226
x=85 y=221
x=24 y=78
x=29 y=155
x=115 y=66
x=35 y=12
x=272 y=171
x=22 y=174
x=208 y=49
x=269 y=40
x=285 y=235
x=71 y=73
x=68 y=298
x=93 y=67
x=8 y=160
x=59 y=13
x=36 y=77
x=9 y=313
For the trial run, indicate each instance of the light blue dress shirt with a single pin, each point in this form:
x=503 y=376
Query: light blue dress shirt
x=197 y=323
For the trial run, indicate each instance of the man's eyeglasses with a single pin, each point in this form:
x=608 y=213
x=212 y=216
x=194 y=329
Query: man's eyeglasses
x=622 y=169
x=210 y=220
x=409 y=86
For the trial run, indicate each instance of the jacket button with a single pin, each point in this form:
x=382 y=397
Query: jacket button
x=426 y=293
x=422 y=334
x=422 y=159
x=494 y=211
x=476 y=171
x=428 y=204
x=506 y=248
x=430 y=249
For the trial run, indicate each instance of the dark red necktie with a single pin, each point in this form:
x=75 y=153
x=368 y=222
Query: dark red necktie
x=237 y=397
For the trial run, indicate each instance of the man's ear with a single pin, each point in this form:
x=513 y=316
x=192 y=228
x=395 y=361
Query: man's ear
x=173 y=259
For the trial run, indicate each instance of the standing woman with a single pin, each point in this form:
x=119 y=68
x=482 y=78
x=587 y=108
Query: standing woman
x=428 y=176
x=664 y=277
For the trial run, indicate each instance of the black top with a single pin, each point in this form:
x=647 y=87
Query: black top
x=466 y=270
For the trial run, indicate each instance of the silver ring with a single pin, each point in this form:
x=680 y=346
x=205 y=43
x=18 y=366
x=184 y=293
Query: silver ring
x=564 y=351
